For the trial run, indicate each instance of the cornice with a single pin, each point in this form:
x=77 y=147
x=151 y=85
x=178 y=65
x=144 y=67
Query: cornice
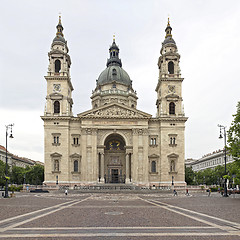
x=50 y=118
x=60 y=78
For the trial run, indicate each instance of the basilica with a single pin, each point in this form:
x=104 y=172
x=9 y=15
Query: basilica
x=114 y=142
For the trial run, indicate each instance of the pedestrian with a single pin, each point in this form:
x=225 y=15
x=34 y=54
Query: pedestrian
x=209 y=192
x=66 y=192
x=174 y=192
x=187 y=193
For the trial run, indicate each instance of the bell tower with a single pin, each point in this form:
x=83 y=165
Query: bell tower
x=59 y=87
x=169 y=87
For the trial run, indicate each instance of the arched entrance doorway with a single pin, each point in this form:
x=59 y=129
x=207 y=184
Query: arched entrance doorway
x=115 y=159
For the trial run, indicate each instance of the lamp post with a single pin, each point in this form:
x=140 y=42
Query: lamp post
x=172 y=181
x=9 y=126
x=225 y=156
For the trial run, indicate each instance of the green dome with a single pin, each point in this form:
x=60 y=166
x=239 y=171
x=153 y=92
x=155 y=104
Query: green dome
x=114 y=73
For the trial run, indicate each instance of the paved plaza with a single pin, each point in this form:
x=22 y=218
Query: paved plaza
x=152 y=215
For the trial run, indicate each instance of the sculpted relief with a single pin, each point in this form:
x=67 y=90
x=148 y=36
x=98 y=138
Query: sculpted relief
x=114 y=112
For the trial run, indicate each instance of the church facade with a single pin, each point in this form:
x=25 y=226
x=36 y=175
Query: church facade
x=114 y=142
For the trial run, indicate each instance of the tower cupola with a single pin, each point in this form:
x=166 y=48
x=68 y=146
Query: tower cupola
x=168 y=37
x=114 y=55
x=59 y=35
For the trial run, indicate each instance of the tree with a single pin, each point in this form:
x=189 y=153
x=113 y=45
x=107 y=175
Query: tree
x=35 y=174
x=189 y=176
x=2 y=173
x=234 y=136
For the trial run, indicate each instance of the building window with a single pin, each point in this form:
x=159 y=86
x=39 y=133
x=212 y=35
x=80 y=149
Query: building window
x=56 y=107
x=172 y=140
x=75 y=166
x=171 y=108
x=56 y=139
x=153 y=167
x=75 y=141
x=56 y=165
x=114 y=72
x=153 y=141
x=171 y=67
x=57 y=66
x=172 y=166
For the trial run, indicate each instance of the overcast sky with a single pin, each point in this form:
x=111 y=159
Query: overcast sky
x=207 y=35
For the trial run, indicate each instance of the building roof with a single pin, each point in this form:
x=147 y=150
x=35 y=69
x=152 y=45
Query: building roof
x=114 y=71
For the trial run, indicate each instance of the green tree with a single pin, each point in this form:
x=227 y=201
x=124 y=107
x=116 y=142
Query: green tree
x=2 y=173
x=17 y=175
x=189 y=176
x=35 y=174
x=234 y=136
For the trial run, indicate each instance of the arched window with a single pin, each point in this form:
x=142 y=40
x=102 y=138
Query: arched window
x=57 y=66
x=56 y=165
x=171 y=67
x=172 y=166
x=171 y=108
x=56 y=107
x=75 y=166
x=153 y=166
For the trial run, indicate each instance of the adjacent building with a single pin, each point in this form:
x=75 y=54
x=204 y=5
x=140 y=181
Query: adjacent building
x=114 y=141
x=210 y=160
x=14 y=160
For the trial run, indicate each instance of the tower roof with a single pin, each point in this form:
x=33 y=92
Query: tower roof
x=168 y=37
x=114 y=55
x=59 y=35
x=114 y=71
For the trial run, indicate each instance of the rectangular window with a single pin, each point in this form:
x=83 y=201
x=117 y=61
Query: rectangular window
x=56 y=139
x=153 y=141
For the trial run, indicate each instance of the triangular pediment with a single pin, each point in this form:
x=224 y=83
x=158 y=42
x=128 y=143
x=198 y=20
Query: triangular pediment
x=172 y=95
x=55 y=155
x=154 y=156
x=173 y=155
x=75 y=155
x=56 y=96
x=114 y=110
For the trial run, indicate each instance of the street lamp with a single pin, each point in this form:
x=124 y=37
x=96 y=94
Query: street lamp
x=172 y=180
x=9 y=126
x=225 y=156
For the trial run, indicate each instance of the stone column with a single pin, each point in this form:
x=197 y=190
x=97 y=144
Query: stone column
x=102 y=167
x=127 y=168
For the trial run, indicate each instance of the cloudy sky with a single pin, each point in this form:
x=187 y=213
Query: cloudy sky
x=207 y=34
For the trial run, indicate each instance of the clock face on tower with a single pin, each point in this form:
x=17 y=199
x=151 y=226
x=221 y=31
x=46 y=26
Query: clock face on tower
x=57 y=87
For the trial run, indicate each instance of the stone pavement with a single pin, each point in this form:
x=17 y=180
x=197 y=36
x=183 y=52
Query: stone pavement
x=119 y=216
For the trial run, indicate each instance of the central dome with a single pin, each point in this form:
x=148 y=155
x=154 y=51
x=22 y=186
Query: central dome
x=114 y=73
